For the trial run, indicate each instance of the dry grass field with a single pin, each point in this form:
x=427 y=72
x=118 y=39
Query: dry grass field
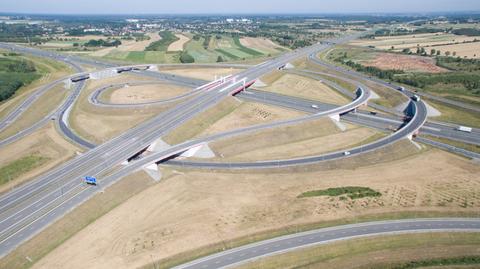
x=158 y=222
x=179 y=44
x=306 y=147
x=248 y=114
x=207 y=74
x=299 y=86
x=438 y=41
x=468 y=50
x=127 y=45
x=238 y=145
x=261 y=44
x=144 y=93
x=407 y=63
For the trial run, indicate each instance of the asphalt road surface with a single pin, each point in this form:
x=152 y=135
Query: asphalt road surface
x=237 y=256
x=29 y=208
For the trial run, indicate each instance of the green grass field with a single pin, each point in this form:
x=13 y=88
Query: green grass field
x=350 y=192
x=19 y=167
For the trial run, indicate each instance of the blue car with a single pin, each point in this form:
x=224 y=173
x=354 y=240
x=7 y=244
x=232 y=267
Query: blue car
x=91 y=180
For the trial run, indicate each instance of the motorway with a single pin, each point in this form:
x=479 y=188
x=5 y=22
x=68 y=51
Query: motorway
x=365 y=118
x=240 y=255
x=24 y=211
x=31 y=207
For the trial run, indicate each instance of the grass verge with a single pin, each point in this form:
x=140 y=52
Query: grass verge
x=201 y=122
x=458 y=144
x=393 y=251
x=19 y=167
x=456 y=115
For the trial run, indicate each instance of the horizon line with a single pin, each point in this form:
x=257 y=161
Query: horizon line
x=405 y=13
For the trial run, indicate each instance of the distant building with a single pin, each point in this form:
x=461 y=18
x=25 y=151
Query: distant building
x=102 y=30
x=132 y=20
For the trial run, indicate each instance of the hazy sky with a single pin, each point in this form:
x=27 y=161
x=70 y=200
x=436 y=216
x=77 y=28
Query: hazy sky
x=226 y=6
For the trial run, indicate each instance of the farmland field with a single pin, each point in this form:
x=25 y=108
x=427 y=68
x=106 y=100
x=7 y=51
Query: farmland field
x=462 y=45
x=203 y=49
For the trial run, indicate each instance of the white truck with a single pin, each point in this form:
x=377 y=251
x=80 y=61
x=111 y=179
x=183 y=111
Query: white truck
x=416 y=98
x=464 y=129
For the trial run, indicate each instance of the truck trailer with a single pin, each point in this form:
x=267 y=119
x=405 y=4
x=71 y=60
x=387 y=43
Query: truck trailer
x=464 y=129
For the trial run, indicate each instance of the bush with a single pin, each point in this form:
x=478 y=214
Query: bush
x=186 y=58
x=351 y=192
x=103 y=43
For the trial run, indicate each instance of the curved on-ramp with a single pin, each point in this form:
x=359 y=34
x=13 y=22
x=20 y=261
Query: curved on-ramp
x=240 y=255
x=419 y=118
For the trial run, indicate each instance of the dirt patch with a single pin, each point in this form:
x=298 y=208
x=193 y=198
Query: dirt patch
x=231 y=205
x=299 y=86
x=179 y=44
x=45 y=142
x=248 y=114
x=146 y=93
x=409 y=63
x=202 y=73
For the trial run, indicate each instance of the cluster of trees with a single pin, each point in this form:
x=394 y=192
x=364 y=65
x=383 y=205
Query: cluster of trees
x=459 y=64
x=433 y=52
x=21 y=33
x=401 y=31
x=467 y=31
x=470 y=81
x=102 y=43
x=14 y=74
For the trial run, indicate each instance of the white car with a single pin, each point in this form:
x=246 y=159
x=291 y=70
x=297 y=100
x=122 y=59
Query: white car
x=315 y=106
x=346 y=153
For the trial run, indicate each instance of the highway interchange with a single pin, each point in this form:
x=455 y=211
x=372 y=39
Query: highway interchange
x=30 y=208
